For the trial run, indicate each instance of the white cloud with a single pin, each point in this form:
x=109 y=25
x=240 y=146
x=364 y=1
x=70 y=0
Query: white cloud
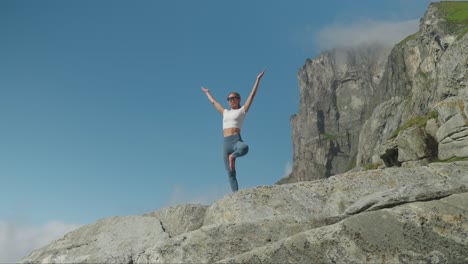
x=17 y=241
x=288 y=169
x=365 y=32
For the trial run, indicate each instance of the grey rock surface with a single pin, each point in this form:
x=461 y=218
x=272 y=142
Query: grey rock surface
x=324 y=199
x=424 y=191
x=256 y=220
x=413 y=144
x=453 y=132
x=110 y=240
x=214 y=242
x=179 y=219
x=422 y=232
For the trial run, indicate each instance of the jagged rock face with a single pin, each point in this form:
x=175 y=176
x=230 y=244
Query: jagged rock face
x=453 y=133
x=352 y=101
x=337 y=90
x=424 y=72
x=397 y=215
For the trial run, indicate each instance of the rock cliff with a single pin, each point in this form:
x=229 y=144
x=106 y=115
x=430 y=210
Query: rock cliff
x=353 y=101
x=338 y=91
x=374 y=177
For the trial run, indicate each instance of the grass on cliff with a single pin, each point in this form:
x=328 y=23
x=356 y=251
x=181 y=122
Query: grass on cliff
x=456 y=14
x=408 y=38
x=419 y=120
x=331 y=137
x=372 y=166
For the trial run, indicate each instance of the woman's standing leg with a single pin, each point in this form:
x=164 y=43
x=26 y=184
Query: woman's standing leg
x=227 y=150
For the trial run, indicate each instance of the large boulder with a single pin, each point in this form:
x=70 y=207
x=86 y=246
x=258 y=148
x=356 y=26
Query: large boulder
x=266 y=219
x=110 y=240
x=422 y=232
x=453 y=132
x=179 y=219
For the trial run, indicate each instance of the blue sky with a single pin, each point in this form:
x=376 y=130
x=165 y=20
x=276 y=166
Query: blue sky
x=101 y=108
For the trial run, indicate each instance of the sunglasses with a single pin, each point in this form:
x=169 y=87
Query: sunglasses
x=232 y=98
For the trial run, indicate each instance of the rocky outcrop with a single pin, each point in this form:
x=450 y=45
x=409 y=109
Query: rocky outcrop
x=453 y=132
x=180 y=219
x=396 y=215
x=424 y=232
x=338 y=90
x=433 y=66
x=353 y=103
x=110 y=240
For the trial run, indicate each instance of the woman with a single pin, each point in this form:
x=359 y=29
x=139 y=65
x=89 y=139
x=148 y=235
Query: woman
x=233 y=119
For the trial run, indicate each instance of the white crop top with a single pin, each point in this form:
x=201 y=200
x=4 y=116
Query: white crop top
x=233 y=118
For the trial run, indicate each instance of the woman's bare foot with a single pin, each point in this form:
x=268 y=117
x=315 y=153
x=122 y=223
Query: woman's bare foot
x=232 y=162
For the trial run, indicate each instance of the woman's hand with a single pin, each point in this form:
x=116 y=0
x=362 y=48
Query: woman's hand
x=205 y=90
x=260 y=75
x=212 y=100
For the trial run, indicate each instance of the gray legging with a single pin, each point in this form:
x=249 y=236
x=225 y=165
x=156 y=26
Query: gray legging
x=233 y=145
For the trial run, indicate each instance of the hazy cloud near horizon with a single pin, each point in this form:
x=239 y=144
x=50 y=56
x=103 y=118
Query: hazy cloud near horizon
x=17 y=241
x=183 y=195
x=367 y=31
x=288 y=169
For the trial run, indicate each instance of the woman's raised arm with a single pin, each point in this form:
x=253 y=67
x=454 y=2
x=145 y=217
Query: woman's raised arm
x=249 y=101
x=218 y=107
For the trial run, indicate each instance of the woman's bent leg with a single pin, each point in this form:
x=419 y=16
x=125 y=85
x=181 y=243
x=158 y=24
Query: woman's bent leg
x=240 y=149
